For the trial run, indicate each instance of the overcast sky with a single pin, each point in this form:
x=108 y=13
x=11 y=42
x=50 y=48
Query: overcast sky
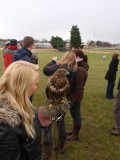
x=96 y=19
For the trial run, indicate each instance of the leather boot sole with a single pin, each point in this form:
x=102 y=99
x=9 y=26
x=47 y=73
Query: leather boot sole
x=72 y=138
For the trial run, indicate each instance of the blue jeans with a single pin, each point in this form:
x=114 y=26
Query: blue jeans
x=76 y=113
x=110 y=88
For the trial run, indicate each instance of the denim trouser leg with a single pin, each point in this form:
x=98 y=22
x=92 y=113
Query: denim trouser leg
x=75 y=113
x=61 y=129
x=48 y=134
x=110 y=88
x=116 y=110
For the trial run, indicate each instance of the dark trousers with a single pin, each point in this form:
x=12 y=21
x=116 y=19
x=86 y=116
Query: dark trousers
x=110 y=88
x=61 y=132
x=48 y=134
x=76 y=113
x=116 y=111
x=61 y=129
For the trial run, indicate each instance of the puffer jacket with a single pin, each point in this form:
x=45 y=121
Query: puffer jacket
x=14 y=143
x=23 y=54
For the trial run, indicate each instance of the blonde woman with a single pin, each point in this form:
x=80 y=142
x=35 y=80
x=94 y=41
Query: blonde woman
x=19 y=126
x=68 y=61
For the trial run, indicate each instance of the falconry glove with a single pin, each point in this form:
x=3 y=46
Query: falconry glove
x=54 y=110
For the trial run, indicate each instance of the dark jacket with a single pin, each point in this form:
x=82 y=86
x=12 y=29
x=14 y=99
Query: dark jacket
x=23 y=54
x=80 y=81
x=111 y=73
x=51 y=67
x=14 y=143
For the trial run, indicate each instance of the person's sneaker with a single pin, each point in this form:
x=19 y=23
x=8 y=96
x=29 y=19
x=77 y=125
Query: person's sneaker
x=116 y=132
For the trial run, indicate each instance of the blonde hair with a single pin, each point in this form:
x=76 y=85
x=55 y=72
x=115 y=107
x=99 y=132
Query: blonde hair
x=69 y=58
x=14 y=86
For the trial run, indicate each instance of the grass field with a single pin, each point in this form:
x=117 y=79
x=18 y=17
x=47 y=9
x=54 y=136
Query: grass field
x=96 y=142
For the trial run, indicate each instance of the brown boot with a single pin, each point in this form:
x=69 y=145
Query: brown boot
x=60 y=147
x=116 y=132
x=69 y=132
x=47 y=152
x=75 y=134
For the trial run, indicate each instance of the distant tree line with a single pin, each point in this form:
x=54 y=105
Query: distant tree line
x=99 y=44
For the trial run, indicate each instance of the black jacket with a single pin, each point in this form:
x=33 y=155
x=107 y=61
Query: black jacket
x=111 y=73
x=14 y=143
x=51 y=67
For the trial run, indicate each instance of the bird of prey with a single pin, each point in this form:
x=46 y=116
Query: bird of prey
x=58 y=85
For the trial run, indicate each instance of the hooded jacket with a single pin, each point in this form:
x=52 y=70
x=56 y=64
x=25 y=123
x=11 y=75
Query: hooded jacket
x=23 y=54
x=14 y=143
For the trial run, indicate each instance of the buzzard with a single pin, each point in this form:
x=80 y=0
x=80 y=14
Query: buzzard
x=58 y=85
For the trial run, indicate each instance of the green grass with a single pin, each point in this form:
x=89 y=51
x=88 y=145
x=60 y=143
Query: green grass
x=96 y=142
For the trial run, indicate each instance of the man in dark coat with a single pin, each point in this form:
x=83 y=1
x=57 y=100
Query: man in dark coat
x=25 y=53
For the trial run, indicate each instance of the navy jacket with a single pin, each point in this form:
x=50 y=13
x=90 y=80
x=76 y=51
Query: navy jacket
x=23 y=54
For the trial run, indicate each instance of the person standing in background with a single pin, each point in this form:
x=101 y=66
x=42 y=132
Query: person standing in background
x=77 y=92
x=8 y=52
x=24 y=53
x=20 y=130
x=6 y=45
x=111 y=75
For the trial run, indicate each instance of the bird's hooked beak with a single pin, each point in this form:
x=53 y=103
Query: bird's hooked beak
x=67 y=73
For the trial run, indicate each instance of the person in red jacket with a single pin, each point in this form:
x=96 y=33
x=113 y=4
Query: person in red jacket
x=9 y=52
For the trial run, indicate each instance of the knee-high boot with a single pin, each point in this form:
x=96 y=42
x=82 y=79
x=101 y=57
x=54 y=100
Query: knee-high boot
x=75 y=133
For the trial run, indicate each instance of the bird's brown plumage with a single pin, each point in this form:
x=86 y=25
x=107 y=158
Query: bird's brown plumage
x=58 y=85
